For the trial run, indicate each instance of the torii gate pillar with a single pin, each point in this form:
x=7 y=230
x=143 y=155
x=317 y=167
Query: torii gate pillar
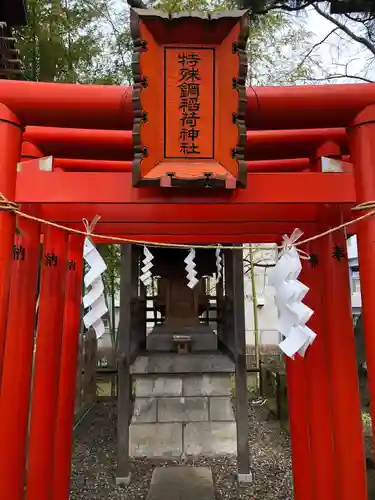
x=362 y=147
x=10 y=147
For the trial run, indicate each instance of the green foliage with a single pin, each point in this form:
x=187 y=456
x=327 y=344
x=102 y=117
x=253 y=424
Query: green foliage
x=112 y=257
x=59 y=41
x=111 y=278
x=276 y=44
x=88 y=41
x=78 y=41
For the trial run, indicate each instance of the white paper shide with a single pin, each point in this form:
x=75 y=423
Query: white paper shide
x=191 y=273
x=94 y=298
x=146 y=274
x=293 y=314
x=219 y=263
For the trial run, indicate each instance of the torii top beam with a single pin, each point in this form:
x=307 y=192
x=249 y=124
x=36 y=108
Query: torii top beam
x=110 y=107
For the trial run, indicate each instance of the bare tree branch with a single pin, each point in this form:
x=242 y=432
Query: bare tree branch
x=315 y=46
x=272 y=5
x=333 y=77
x=360 y=19
x=345 y=29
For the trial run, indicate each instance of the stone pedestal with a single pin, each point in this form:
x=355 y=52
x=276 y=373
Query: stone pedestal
x=183 y=406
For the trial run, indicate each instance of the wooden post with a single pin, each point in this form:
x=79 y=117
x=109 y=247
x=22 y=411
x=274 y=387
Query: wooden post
x=219 y=308
x=124 y=389
x=237 y=285
x=68 y=371
x=141 y=292
x=227 y=331
x=47 y=366
x=89 y=367
x=18 y=358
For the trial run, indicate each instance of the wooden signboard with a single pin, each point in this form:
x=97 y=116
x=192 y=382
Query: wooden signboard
x=189 y=99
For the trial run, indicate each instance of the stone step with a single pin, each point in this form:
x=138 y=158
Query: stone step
x=170 y=363
x=181 y=483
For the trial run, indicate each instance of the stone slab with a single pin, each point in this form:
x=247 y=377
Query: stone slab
x=207 y=385
x=164 y=341
x=210 y=438
x=221 y=409
x=145 y=410
x=156 y=363
x=182 y=409
x=181 y=483
x=158 y=440
x=158 y=386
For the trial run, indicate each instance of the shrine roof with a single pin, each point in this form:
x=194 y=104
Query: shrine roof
x=204 y=16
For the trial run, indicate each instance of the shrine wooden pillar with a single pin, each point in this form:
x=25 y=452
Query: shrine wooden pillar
x=47 y=366
x=349 y=457
x=243 y=454
x=126 y=348
x=10 y=147
x=219 y=308
x=68 y=370
x=18 y=358
x=317 y=386
x=362 y=151
x=226 y=309
x=235 y=342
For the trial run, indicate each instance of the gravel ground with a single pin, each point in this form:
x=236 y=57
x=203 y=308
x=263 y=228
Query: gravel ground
x=94 y=462
x=369 y=448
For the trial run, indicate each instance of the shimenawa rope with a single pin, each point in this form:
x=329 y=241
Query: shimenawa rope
x=10 y=206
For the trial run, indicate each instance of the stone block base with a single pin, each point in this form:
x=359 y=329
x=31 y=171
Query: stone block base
x=173 y=440
x=155 y=440
x=210 y=438
x=182 y=414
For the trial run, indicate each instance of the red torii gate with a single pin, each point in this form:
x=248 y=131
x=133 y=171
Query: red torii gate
x=328 y=461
